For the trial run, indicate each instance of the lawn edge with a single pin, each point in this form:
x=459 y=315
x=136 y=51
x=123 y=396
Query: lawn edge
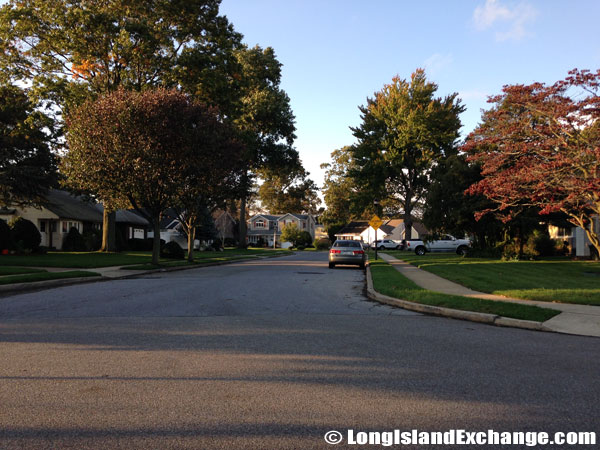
x=473 y=316
x=9 y=289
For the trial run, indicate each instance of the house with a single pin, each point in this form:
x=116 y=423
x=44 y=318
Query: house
x=267 y=228
x=396 y=229
x=225 y=224
x=575 y=238
x=354 y=231
x=61 y=211
x=360 y=230
x=57 y=214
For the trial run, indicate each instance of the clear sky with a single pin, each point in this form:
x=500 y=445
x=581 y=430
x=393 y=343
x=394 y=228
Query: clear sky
x=336 y=53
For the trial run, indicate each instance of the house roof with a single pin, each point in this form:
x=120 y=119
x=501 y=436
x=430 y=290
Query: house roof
x=125 y=216
x=68 y=206
x=355 y=227
x=387 y=229
x=421 y=229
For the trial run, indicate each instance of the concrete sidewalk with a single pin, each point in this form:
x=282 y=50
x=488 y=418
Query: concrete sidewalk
x=583 y=320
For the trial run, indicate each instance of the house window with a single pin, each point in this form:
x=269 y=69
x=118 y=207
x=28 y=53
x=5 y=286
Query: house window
x=259 y=224
x=42 y=226
x=64 y=227
x=563 y=232
x=303 y=224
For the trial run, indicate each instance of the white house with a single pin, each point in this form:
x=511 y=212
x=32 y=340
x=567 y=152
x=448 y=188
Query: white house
x=575 y=237
x=360 y=230
x=266 y=228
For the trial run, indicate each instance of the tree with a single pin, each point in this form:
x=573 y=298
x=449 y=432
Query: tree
x=288 y=191
x=291 y=233
x=449 y=209
x=71 y=50
x=539 y=146
x=404 y=131
x=27 y=167
x=144 y=147
x=263 y=119
x=338 y=188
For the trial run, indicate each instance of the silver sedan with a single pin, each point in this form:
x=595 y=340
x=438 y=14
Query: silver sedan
x=347 y=252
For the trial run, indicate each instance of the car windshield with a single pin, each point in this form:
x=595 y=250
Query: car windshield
x=347 y=244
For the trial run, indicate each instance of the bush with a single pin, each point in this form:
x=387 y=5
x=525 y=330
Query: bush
x=6 y=241
x=25 y=234
x=92 y=240
x=322 y=244
x=140 y=245
x=73 y=241
x=172 y=250
x=230 y=242
x=543 y=244
x=305 y=239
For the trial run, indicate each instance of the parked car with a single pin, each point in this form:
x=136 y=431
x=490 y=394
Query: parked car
x=386 y=244
x=444 y=243
x=347 y=252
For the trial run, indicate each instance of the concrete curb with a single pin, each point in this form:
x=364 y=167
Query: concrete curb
x=472 y=316
x=48 y=284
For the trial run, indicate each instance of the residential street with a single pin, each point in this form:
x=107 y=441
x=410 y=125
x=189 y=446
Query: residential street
x=270 y=354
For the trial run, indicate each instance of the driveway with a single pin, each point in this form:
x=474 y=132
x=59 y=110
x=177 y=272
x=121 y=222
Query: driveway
x=269 y=354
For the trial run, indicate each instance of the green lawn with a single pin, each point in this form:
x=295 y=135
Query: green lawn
x=390 y=282
x=43 y=276
x=6 y=270
x=97 y=259
x=552 y=280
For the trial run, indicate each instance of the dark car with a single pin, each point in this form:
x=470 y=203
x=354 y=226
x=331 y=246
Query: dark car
x=347 y=252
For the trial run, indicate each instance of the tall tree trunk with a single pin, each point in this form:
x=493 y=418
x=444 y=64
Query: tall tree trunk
x=109 y=238
x=191 y=238
x=156 y=241
x=408 y=223
x=243 y=227
x=521 y=241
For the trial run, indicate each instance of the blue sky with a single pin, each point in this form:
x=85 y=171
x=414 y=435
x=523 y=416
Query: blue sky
x=336 y=53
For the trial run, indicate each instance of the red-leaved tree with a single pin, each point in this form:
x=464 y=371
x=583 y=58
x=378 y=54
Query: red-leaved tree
x=539 y=146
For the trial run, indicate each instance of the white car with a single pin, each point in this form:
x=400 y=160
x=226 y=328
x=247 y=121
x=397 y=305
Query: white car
x=386 y=244
x=444 y=243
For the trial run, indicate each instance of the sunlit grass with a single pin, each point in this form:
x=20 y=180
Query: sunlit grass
x=388 y=281
x=552 y=279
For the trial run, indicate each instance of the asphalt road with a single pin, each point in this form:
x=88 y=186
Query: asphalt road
x=270 y=354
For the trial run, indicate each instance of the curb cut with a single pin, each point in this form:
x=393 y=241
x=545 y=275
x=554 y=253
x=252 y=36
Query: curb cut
x=48 y=284
x=472 y=316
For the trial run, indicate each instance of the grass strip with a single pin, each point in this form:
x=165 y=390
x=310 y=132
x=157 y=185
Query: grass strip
x=551 y=279
x=88 y=260
x=18 y=270
x=390 y=282
x=44 y=276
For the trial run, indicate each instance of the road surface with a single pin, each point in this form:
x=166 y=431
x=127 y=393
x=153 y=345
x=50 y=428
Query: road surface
x=270 y=354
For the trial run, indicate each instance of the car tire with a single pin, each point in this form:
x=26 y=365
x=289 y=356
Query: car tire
x=381 y=247
x=332 y=265
x=420 y=250
x=398 y=247
x=462 y=250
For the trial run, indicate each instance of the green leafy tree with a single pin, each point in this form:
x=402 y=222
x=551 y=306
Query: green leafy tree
x=338 y=189
x=291 y=233
x=405 y=130
x=263 y=119
x=288 y=192
x=144 y=147
x=449 y=209
x=71 y=50
x=27 y=166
